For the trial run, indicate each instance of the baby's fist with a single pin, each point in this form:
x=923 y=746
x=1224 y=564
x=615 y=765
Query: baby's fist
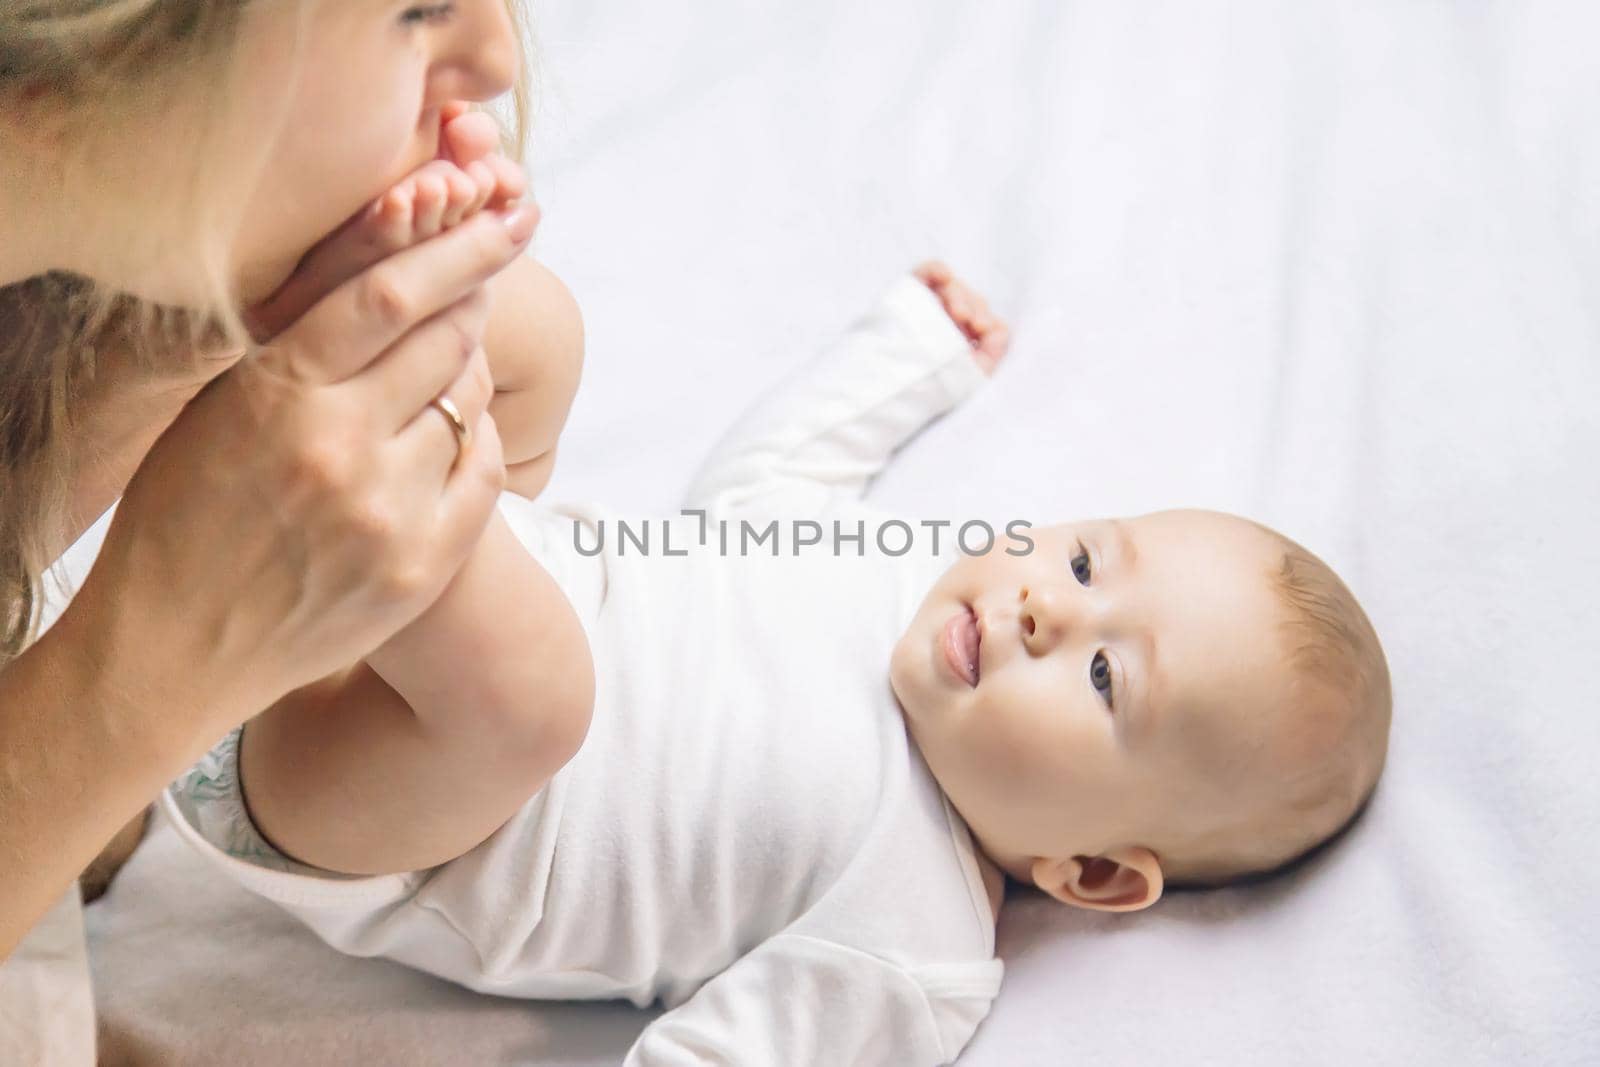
x=989 y=335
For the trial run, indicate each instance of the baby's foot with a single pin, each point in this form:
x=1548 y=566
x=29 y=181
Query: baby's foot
x=989 y=335
x=429 y=201
x=469 y=176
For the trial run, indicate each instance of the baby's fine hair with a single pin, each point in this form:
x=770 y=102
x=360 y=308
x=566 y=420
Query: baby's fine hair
x=1342 y=680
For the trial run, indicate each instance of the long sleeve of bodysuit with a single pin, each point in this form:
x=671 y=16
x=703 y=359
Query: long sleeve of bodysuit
x=834 y=424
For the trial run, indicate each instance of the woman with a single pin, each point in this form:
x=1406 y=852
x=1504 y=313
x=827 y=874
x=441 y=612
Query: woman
x=281 y=515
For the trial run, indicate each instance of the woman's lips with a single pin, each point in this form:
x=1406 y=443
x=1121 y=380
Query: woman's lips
x=960 y=643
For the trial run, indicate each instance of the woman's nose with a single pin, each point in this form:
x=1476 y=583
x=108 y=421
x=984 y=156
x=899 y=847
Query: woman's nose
x=481 y=59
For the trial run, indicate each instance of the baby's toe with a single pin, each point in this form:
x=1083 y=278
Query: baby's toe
x=432 y=195
x=510 y=180
x=392 y=219
x=468 y=136
x=462 y=191
x=483 y=185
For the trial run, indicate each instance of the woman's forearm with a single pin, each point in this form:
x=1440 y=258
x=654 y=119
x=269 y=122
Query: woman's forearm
x=112 y=432
x=81 y=752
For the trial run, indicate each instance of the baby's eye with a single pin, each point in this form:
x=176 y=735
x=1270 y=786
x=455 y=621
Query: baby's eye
x=1100 y=676
x=1080 y=566
x=428 y=13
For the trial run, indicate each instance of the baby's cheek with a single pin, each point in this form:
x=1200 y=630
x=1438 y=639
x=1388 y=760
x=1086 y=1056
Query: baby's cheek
x=1015 y=745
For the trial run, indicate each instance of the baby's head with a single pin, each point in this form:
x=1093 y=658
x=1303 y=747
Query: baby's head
x=1182 y=698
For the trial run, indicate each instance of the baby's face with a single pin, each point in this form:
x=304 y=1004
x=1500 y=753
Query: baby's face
x=1118 y=667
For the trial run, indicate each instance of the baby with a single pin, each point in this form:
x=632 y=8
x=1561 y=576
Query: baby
x=819 y=737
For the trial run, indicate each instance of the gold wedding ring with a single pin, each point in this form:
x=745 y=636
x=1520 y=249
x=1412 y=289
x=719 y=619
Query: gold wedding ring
x=452 y=414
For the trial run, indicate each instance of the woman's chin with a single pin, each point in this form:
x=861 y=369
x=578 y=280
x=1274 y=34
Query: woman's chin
x=256 y=282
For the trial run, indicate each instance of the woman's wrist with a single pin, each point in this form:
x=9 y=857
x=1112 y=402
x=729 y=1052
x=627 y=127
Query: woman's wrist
x=148 y=695
x=119 y=708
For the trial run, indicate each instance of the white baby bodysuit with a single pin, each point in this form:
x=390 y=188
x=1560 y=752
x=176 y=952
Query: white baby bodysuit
x=748 y=833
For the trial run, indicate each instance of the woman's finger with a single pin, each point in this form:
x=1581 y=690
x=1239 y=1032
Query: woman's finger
x=474 y=484
x=432 y=440
x=344 y=334
x=423 y=364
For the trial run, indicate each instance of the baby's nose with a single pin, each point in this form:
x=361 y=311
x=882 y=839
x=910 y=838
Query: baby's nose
x=1040 y=618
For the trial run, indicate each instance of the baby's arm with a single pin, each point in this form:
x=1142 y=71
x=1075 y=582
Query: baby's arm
x=807 y=1002
x=834 y=424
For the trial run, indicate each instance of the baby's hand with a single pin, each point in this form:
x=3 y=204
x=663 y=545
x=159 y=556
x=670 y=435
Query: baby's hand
x=468 y=177
x=990 y=336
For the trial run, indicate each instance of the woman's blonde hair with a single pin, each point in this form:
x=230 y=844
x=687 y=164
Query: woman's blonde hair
x=97 y=62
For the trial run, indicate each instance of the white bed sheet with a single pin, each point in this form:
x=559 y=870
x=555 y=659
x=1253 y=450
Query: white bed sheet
x=1332 y=264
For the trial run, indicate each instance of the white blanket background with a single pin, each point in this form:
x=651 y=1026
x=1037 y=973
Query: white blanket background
x=1332 y=264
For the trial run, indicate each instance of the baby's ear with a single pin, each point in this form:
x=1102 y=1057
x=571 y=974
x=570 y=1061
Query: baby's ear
x=1124 y=879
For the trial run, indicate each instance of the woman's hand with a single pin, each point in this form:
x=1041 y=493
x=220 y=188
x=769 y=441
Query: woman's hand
x=309 y=502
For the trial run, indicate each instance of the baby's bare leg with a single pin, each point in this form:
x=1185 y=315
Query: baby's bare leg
x=413 y=757
x=479 y=703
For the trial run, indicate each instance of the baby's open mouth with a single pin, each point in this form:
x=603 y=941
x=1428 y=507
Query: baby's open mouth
x=960 y=642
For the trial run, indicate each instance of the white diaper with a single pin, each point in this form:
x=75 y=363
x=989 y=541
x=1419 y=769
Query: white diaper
x=212 y=802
